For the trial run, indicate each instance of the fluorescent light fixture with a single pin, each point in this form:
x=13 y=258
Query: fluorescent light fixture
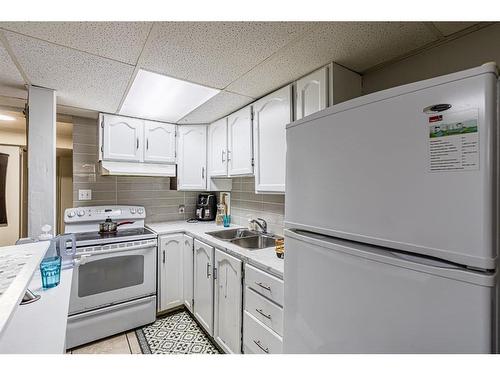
x=6 y=118
x=158 y=97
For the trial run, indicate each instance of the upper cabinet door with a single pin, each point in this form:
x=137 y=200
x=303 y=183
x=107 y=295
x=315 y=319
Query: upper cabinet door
x=192 y=157
x=312 y=93
x=160 y=142
x=217 y=148
x=271 y=115
x=240 y=153
x=122 y=138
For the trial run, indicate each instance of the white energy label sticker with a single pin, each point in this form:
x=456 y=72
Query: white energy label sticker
x=453 y=141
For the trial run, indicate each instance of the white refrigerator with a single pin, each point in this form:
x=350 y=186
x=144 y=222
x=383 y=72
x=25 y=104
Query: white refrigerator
x=391 y=215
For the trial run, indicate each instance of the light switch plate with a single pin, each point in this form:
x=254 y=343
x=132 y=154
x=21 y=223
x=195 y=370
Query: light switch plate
x=84 y=194
x=182 y=208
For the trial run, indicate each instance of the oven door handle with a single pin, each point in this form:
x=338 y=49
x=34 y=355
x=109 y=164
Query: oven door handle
x=115 y=250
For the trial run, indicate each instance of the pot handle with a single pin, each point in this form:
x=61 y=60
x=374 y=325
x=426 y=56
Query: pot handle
x=125 y=222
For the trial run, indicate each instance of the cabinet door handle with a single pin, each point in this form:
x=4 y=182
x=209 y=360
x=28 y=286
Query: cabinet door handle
x=163 y=256
x=228 y=155
x=137 y=143
x=147 y=143
x=266 y=287
x=202 y=172
x=215 y=273
x=208 y=270
x=265 y=350
x=262 y=313
x=223 y=152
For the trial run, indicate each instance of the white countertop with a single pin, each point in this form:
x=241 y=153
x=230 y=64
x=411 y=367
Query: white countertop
x=17 y=266
x=40 y=327
x=264 y=259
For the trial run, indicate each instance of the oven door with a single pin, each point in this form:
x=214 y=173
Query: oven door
x=112 y=276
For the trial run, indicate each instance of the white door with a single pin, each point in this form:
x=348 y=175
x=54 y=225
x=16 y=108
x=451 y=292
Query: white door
x=188 y=264
x=312 y=93
x=271 y=115
x=160 y=142
x=239 y=142
x=204 y=285
x=228 y=302
x=192 y=157
x=122 y=138
x=170 y=276
x=217 y=148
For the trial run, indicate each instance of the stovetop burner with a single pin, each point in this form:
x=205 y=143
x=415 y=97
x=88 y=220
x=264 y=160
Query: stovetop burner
x=93 y=238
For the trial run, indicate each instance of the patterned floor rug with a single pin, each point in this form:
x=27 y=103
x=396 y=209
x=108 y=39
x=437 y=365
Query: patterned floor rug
x=177 y=333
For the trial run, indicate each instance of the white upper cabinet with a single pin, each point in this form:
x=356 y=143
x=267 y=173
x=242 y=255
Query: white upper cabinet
x=192 y=157
x=228 y=302
x=188 y=264
x=170 y=272
x=122 y=138
x=271 y=115
x=204 y=285
x=217 y=148
x=311 y=93
x=239 y=143
x=159 y=141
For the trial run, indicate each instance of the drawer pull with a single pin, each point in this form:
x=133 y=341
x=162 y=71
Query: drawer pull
x=263 y=286
x=262 y=313
x=265 y=350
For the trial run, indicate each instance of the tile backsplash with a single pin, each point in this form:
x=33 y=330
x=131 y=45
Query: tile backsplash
x=153 y=192
x=246 y=204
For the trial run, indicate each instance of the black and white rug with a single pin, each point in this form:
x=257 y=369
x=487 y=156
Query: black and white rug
x=177 y=333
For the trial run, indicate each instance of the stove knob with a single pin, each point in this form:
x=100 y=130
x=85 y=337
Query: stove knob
x=71 y=213
x=132 y=210
x=140 y=211
x=80 y=213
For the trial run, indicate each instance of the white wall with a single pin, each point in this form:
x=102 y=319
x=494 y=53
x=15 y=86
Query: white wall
x=469 y=51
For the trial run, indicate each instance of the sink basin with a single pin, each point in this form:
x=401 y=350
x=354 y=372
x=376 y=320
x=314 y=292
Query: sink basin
x=231 y=234
x=255 y=242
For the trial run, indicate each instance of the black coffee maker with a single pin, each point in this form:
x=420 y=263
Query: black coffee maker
x=206 y=207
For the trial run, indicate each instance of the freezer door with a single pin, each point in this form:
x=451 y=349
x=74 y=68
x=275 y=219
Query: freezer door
x=341 y=297
x=367 y=170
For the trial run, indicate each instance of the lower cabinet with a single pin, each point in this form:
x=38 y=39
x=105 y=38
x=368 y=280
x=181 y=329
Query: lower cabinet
x=187 y=270
x=170 y=275
x=204 y=285
x=228 y=302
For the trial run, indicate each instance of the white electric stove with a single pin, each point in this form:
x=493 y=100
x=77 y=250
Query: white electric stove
x=114 y=280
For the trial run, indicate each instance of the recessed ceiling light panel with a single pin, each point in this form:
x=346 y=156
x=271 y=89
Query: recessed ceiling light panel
x=158 y=97
x=6 y=118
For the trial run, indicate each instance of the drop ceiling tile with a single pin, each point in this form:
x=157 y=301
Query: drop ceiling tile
x=219 y=106
x=11 y=81
x=448 y=28
x=81 y=80
x=356 y=45
x=122 y=41
x=215 y=53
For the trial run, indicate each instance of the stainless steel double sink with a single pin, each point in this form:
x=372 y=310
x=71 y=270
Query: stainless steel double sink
x=247 y=239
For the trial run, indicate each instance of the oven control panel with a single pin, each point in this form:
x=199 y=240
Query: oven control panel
x=101 y=213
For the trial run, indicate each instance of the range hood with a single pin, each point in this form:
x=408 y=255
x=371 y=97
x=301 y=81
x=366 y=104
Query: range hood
x=115 y=168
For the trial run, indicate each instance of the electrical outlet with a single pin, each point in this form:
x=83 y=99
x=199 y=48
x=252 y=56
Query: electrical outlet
x=84 y=194
x=182 y=208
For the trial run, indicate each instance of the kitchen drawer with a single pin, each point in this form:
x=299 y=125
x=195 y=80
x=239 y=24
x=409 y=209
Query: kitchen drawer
x=258 y=339
x=264 y=283
x=262 y=309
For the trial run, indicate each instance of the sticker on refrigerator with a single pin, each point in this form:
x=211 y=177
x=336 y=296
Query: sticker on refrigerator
x=453 y=141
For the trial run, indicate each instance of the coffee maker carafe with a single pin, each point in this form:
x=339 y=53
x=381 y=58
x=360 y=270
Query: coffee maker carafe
x=206 y=207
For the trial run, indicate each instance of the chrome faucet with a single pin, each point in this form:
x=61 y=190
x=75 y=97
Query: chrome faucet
x=262 y=224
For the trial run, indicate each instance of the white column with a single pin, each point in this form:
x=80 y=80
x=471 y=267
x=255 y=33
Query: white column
x=41 y=159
